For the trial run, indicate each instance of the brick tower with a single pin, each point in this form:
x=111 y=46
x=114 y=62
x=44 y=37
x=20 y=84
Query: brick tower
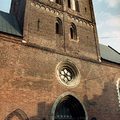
x=54 y=71
x=66 y=26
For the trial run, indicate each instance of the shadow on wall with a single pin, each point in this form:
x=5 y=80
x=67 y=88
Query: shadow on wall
x=18 y=114
x=43 y=111
x=99 y=108
x=105 y=106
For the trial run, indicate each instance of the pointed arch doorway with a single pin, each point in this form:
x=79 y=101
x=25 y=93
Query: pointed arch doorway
x=68 y=107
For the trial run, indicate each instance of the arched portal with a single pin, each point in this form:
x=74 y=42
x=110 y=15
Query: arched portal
x=18 y=114
x=68 y=108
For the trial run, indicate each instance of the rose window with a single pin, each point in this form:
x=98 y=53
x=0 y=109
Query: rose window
x=68 y=74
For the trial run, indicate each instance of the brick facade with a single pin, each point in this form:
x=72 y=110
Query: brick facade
x=28 y=79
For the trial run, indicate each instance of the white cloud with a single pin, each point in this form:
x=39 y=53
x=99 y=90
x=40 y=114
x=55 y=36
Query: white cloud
x=108 y=24
x=109 y=30
x=117 y=34
x=113 y=21
x=100 y=0
x=113 y=3
x=109 y=20
x=111 y=35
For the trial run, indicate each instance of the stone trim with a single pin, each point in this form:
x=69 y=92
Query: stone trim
x=70 y=68
x=59 y=99
x=118 y=90
x=18 y=113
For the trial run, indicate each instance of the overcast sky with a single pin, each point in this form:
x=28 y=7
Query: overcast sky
x=107 y=13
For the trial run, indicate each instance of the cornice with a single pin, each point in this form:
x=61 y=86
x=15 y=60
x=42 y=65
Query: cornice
x=46 y=7
x=53 y=10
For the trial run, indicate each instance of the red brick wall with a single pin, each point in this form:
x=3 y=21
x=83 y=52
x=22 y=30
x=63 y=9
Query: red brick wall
x=28 y=82
x=86 y=44
x=28 y=70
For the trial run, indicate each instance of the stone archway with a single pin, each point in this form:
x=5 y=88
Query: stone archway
x=68 y=107
x=17 y=115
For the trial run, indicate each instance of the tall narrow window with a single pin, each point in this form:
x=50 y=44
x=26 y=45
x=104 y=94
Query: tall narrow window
x=69 y=4
x=77 y=5
x=85 y=9
x=73 y=31
x=59 y=2
x=58 y=26
x=38 y=24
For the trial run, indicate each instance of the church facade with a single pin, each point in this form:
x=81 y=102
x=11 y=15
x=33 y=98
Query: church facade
x=51 y=66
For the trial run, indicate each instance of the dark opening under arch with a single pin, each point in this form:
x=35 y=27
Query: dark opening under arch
x=69 y=3
x=58 y=26
x=69 y=108
x=73 y=31
x=59 y=2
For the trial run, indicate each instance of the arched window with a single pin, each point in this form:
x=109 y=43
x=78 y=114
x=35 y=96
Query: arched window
x=69 y=108
x=69 y=3
x=73 y=4
x=77 y=5
x=17 y=115
x=73 y=31
x=59 y=2
x=58 y=26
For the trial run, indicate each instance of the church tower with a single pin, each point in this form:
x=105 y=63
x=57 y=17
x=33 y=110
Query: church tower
x=53 y=71
x=59 y=35
x=65 y=26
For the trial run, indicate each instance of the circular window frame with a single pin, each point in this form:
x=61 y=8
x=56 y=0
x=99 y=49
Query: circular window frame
x=69 y=66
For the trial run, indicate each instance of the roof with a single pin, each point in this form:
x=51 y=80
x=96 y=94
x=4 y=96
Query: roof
x=109 y=54
x=9 y=24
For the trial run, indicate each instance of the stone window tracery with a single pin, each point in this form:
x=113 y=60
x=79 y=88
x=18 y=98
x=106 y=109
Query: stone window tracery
x=68 y=74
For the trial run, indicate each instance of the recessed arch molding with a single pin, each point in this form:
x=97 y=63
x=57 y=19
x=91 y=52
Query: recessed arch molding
x=17 y=113
x=68 y=106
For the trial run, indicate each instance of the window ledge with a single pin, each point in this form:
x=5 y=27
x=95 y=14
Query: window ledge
x=74 y=40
